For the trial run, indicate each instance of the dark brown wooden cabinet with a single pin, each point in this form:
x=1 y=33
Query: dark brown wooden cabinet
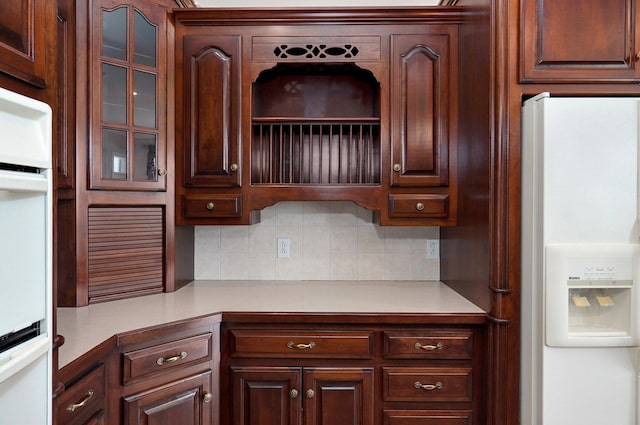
x=23 y=31
x=115 y=190
x=210 y=140
x=167 y=374
x=303 y=106
x=182 y=402
x=128 y=105
x=83 y=402
x=423 y=126
x=587 y=41
x=296 y=395
x=340 y=374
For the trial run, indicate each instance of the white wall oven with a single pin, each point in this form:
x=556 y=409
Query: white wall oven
x=25 y=260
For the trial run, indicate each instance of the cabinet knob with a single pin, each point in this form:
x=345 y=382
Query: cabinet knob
x=419 y=206
x=638 y=56
x=234 y=167
x=207 y=397
x=293 y=393
x=310 y=393
x=162 y=172
x=209 y=206
x=397 y=167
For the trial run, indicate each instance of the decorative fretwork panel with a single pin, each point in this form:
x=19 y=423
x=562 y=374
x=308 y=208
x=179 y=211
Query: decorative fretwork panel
x=315 y=49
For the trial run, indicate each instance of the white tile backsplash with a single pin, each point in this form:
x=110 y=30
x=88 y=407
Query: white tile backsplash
x=329 y=241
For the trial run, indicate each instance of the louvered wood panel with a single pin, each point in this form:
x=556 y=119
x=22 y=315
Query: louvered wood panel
x=126 y=252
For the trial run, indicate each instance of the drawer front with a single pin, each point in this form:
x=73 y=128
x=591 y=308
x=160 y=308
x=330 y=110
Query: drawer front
x=149 y=361
x=203 y=206
x=427 y=384
x=427 y=344
x=417 y=206
x=83 y=399
x=301 y=344
x=427 y=417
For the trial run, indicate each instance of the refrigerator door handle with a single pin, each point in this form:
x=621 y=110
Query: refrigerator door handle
x=23 y=357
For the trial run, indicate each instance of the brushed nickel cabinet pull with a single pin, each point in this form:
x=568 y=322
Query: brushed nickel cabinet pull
x=210 y=206
x=293 y=393
x=310 y=345
x=162 y=172
x=234 y=167
x=163 y=360
x=429 y=347
x=428 y=387
x=397 y=167
x=207 y=397
x=419 y=206
x=73 y=407
x=310 y=393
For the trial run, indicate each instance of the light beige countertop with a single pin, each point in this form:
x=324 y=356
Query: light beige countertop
x=87 y=327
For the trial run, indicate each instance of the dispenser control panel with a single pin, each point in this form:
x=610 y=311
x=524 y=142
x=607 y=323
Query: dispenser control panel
x=590 y=295
x=586 y=270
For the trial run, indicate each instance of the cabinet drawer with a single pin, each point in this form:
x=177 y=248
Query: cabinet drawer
x=159 y=358
x=301 y=344
x=427 y=384
x=83 y=399
x=202 y=206
x=427 y=417
x=428 y=344
x=416 y=206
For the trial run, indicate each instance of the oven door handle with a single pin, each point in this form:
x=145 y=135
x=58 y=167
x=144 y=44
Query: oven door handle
x=22 y=358
x=22 y=182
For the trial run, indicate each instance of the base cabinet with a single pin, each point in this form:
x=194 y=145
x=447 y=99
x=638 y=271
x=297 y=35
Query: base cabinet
x=83 y=402
x=181 y=402
x=337 y=374
x=296 y=395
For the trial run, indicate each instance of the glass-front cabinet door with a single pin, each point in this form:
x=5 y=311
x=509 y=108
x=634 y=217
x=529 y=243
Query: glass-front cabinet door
x=128 y=91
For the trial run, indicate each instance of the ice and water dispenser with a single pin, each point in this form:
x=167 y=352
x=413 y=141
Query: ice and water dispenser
x=591 y=295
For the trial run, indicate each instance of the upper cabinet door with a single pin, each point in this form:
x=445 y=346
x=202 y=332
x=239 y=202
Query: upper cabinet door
x=22 y=40
x=128 y=95
x=420 y=95
x=211 y=121
x=581 y=41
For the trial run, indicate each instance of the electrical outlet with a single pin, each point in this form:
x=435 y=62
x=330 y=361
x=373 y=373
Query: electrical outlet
x=283 y=248
x=433 y=249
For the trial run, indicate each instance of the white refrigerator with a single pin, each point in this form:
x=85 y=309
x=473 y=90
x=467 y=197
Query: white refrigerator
x=580 y=261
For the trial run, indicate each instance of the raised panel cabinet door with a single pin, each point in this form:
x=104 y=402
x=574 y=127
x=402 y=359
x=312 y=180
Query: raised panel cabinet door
x=579 y=40
x=128 y=79
x=23 y=40
x=185 y=402
x=266 y=395
x=211 y=73
x=420 y=96
x=338 y=396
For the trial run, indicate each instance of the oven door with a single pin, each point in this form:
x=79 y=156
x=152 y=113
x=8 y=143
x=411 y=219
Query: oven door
x=24 y=244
